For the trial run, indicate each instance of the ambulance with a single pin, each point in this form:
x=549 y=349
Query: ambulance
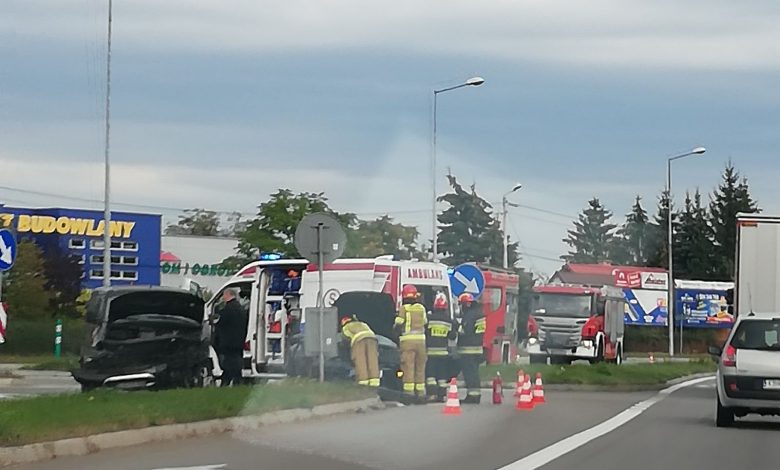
x=275 y=291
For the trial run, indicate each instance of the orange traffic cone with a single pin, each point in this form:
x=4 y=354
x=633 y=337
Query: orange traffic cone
x=526 y=399
x=452 y=407
x=520 y=380
x=538 y=390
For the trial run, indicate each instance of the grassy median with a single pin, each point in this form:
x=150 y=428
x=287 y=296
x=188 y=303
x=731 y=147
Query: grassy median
x=604 y=374
x=48 y=418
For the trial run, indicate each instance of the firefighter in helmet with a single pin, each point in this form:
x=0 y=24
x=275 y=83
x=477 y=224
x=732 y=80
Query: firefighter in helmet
x=470 y=334
x=364 y=350
x=439 y=331
x=411 y=321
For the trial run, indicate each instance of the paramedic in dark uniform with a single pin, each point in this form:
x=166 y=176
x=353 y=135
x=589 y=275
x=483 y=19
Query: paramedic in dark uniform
x=230 y=335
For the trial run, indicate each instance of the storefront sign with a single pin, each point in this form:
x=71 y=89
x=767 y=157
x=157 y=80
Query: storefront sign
x=24 y=223
x=631 y=279
x=196 y=269
x=655 y=281
x=703 y=308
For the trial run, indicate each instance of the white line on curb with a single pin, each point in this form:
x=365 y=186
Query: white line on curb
x=563 y=447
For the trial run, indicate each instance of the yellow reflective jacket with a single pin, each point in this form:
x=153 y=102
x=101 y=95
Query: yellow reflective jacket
x=412 y=319
x=355 y=331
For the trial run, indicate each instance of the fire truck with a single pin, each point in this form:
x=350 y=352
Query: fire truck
x=570 y=322
x=500 y=305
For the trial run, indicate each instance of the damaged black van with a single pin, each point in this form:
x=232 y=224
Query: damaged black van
x=144 y=337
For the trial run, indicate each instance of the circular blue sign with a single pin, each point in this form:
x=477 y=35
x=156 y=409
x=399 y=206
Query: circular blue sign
x=7 y=249
x=467 y=278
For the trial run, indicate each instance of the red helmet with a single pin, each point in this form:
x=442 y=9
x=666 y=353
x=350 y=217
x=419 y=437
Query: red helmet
x=345 y=320
x=466 y=298
x=440 y=303
x=409 y=292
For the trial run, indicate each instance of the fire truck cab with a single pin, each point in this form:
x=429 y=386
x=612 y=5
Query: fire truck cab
x=500 y=302
x=570 y=322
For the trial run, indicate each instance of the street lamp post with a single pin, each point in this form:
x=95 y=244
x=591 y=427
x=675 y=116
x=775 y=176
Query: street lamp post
x=474 y=81
x=504 y=206
x=669 y=241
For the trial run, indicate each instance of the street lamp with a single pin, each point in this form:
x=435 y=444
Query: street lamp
x=504 y=204
x=473 y=81
x=670 y=285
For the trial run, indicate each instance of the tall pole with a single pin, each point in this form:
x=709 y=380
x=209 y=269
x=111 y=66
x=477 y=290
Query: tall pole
x=670 y=282
x=433 y=183
x=506 y=236
x=106 y=199
x=321 y=300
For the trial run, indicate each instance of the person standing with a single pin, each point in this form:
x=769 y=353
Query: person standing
x=470 y=335
x=230 y=335
x=364 y=350
x=411 y=320
x=439 y=331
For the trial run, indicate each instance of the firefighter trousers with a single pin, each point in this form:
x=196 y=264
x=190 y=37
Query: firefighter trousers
x=413 y=358
x=365 y=357
x=469 y=364
x=437 y=371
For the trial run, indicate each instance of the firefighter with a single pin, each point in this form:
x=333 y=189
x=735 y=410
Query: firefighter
x=470 y=334
x=439 y=331
x=411 y=320
x=364 y=350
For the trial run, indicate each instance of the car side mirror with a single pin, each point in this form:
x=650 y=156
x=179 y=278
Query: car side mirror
x=715 y=352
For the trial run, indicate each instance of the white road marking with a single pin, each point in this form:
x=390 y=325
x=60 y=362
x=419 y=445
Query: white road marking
x=201 y=467
x=563 y=447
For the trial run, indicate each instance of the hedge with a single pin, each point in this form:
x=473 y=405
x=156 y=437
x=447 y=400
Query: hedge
x=37 y=337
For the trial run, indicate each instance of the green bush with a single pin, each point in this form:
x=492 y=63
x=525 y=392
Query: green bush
x=37 y=337
x=656 y=339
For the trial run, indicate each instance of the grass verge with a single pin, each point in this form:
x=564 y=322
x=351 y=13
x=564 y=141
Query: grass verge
x=47 y=418
x=604 y=374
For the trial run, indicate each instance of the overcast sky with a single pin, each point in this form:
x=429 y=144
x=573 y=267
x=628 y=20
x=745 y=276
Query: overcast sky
x=217 y=104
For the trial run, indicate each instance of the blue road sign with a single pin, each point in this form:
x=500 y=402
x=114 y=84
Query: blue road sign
x=7 y=250
x=467 y=278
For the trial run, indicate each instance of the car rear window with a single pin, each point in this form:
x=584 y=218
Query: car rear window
x=757 y=334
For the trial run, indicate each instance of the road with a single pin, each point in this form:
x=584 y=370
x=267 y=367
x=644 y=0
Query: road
x=33 y=382
x=674 y=431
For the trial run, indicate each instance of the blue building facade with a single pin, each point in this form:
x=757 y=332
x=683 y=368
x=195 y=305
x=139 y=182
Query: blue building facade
x=135 y=241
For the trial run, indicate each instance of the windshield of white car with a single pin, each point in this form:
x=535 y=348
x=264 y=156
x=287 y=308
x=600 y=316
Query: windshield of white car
x=562 y=305
x=761 y=335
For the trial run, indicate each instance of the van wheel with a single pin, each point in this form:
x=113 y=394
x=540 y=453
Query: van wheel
x=724 y=417
x=537 y=359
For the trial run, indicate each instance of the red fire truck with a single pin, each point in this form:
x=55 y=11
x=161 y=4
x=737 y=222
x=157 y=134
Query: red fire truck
x=500 y=305
x=569 y=322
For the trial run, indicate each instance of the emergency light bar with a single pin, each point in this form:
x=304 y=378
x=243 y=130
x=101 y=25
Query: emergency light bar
x=270 y=256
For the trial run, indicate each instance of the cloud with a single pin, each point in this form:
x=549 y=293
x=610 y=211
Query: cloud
x=694 y=34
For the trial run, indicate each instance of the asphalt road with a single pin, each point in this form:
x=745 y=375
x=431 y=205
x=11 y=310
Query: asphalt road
x=34 y=382
x=675 y=432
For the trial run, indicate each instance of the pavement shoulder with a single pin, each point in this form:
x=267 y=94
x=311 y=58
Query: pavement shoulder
x=97 y=442
x=609 y=388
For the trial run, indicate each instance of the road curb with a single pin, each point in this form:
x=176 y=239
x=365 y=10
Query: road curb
x=78 y=446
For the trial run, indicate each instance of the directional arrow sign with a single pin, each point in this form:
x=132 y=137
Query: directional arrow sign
x=7 y=250
x=467 y=278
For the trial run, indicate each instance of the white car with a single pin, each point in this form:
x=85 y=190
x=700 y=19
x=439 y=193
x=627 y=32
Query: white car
x=749 y=368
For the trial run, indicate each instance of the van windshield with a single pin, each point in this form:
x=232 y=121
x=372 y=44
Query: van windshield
x=758 y=334
x=562 y=305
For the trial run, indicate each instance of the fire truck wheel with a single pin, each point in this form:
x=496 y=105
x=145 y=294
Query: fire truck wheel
x=599 y=355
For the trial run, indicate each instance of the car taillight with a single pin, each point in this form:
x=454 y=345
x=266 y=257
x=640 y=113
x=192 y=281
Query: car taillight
x=247 y=346
x=590 y=328
x=533 y=327
x=730 y=356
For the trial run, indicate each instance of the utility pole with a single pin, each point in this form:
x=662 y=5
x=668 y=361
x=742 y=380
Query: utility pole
x=504 y=213
x=107 y=195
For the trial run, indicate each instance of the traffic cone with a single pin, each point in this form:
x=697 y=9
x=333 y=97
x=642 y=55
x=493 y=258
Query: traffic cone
x=526 y=400
x=651 y=358
x=520 y=380
x=452 y=407
x=538 y=390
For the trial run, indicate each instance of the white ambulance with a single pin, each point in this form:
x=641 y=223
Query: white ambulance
x=274 y=291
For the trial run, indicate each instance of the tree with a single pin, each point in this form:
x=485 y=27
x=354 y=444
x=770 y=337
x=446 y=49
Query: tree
x=658 y=232
x=592 y=238
x=273 y=230
x=383 y=237
x=63 y=279
x=469 y=232
x=633 y=244
x=199 y=222
x=693 y=246
x=731 y=197
x=25 y=284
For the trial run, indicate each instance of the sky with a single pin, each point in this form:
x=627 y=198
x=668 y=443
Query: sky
x=218 y=104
